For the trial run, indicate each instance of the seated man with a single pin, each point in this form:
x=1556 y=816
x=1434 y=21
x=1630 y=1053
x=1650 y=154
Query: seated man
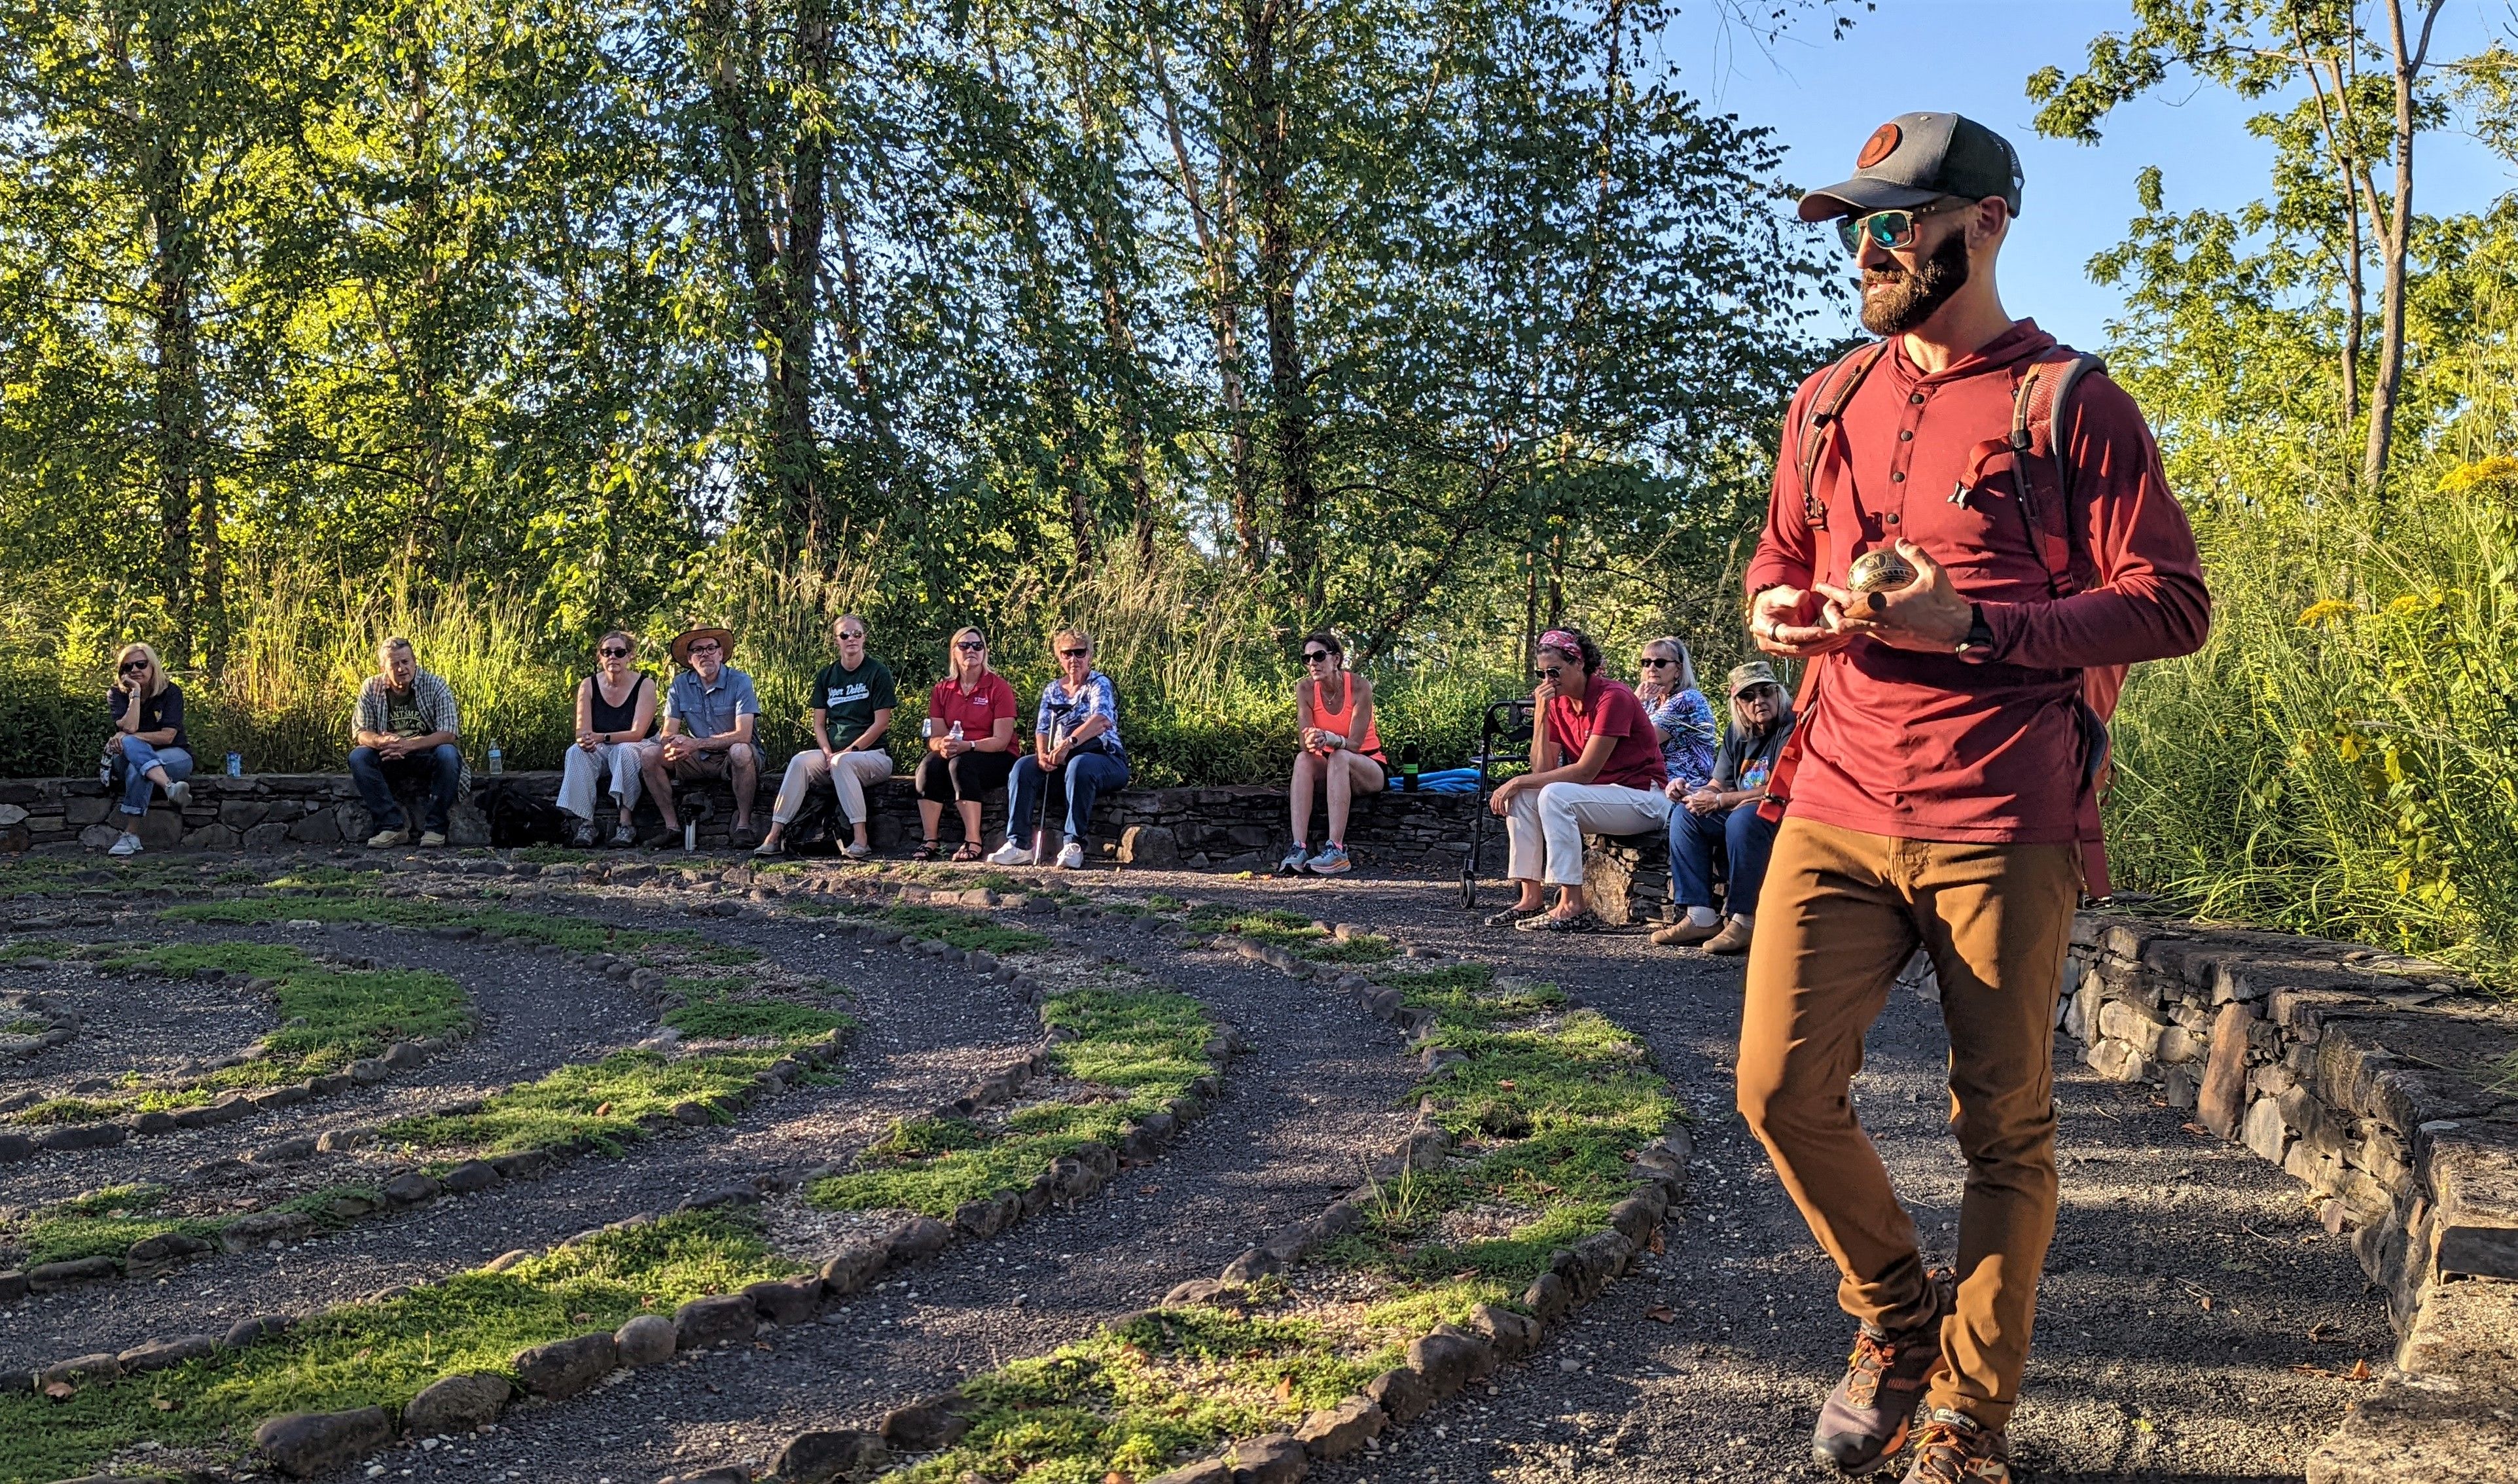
x=405 y=731
x=852 y=705
x=709 y=719
x=1725 y=814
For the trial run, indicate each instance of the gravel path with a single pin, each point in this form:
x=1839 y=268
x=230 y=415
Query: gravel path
x=1298 y=1115
x=2133 y=1376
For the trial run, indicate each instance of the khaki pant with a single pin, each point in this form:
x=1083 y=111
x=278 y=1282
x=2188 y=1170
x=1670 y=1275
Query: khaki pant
x=849 y=773
x=1839 y=914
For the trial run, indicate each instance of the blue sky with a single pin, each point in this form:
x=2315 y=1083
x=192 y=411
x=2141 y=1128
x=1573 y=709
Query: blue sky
x=1822 y=97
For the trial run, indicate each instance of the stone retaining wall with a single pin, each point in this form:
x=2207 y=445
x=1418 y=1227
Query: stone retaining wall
x=1231 y=829
x=2371 y=1078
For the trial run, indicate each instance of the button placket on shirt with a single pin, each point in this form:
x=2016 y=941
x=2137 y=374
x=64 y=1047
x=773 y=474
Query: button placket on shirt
x=1894 y=519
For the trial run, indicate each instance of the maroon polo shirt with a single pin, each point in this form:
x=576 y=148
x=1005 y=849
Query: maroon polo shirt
x=1610 y=710
x=1937 y=748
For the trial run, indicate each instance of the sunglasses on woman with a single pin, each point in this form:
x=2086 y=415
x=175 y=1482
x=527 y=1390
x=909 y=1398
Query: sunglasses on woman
x=1075 y=654
x=613 y=652
x=1655 y=663
x=972 y=646
x=1314 y=657
x=135 y=667
x=1889 y=231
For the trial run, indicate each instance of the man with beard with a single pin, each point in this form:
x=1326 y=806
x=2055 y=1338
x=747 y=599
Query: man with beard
x=1948 y=760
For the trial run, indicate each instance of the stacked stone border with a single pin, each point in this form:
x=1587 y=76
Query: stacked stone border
x=1442 y=1363
x=107 y=1134
x=2371 y=1078
x=303 y=1445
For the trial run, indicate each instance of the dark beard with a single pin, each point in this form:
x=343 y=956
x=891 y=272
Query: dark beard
x=1893 y=303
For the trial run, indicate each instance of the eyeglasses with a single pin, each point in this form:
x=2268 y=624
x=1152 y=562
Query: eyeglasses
x=1552 y=672
x=969 y=646
x=853 y=633
x=134 y=666
x=616 y=652
x=1761 y=692
x=1075 y=654
x=1314 y=657
x=1655 y=661
x=704 y=649
x=1889 y=230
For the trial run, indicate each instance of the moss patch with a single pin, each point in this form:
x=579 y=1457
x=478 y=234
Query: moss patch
x=583 y=935
x=384 y=1353
x=963 y=930
x=1145 y=1047
x=1294 y=933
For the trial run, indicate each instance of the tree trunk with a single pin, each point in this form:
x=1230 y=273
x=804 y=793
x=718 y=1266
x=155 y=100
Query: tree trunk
x=1267 y=76
x=1219 y=238
x=2395 y=243
x=175 y=343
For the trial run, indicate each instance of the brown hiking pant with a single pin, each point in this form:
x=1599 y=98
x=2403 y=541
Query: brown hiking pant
x=1839 y=916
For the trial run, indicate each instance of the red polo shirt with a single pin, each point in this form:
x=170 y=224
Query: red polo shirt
x=1934 y=747
x=980 y=711
x=1610 y=710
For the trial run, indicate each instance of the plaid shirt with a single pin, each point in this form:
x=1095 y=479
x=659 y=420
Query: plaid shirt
x=436 y=711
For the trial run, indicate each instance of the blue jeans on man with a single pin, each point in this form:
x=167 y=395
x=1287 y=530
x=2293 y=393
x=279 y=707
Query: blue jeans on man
x=379 y=778
x=1086 y=777
x=1745 y=841
x=137 y=757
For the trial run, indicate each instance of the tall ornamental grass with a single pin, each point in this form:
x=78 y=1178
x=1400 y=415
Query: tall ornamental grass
x=2342 y=756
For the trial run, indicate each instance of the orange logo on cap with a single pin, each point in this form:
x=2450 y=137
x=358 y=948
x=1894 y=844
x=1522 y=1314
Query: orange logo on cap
x=1882 y=144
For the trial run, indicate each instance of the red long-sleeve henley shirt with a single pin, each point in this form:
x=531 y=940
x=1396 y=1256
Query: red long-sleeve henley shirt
x=1938 y=748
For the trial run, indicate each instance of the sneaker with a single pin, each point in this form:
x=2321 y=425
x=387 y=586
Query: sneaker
x=432 y=838
x=1011 y=854
x=664 y=837
x=765 y=848
x=856 y=852
x=1513 y=916
x=1685 y=934
x=624 y=838
x=1071 y=856
x=1732 y=939
x=124 y=844
x=387 y=839
x=581 y=835
x=179 y=794
x=1865 y=1418
x=1583 y=921
x=1954 y=1448
x=1296 y=858
x=1331 y=862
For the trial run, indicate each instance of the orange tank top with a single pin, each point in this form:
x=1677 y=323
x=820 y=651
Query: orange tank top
x=1342 y=719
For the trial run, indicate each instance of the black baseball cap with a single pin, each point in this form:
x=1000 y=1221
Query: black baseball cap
x=1918 y=157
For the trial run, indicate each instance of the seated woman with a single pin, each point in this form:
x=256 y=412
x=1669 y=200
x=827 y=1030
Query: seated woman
x=1333 y=716
x=1724 y=812
x=616 y=709
x=851 y=713
x=1595 y=768
x=969 y=744
x=148 y=747
x=1681 y=717
x=1075 y=752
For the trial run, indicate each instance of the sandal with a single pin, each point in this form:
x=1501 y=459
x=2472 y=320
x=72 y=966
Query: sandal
x=927 y=851
x=968 y=851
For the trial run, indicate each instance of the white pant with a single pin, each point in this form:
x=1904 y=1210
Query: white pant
x=579 y=769
x=848 y=779
x=1548 y=823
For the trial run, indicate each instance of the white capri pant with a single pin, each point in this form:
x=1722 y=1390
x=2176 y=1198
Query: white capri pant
x=1547 y=823
x=848 y=779
x=580 y=770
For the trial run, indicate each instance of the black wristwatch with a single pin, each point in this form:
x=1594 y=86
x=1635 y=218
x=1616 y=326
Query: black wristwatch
x=1978 y=643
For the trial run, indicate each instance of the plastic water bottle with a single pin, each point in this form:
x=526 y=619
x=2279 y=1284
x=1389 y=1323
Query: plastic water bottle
x=956 y=734
x=236 y=765
x=497 y=761
x=690 y=836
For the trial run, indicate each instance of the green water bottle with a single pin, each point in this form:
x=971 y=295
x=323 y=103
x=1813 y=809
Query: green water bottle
x=1409 y=767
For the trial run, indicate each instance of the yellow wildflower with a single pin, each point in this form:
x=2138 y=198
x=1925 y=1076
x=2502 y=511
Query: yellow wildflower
x=2499 y=469
x=2326 y=610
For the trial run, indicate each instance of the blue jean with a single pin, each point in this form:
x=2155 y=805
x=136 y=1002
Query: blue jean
x=1746 y=840
x=137 y=757
x=1086 y=777
x=377 y=777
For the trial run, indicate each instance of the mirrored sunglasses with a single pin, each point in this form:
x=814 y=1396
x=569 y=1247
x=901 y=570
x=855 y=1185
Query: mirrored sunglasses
x=1888 y=230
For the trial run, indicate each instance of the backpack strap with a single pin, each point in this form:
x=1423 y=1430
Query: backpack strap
x=2036 y=416
x=1827 y=405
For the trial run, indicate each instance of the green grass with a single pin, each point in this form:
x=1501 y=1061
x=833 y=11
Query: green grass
x=328 y=1018
x=1293 y=932
x=742 y=1020
x=583 y=935
x=46 y=876
x=384 y=1353
x=594 y=1103
x=27 y=1025
x=1148 y=1045
x=1130 y=1399
x=107 y=1223
x=962 y=930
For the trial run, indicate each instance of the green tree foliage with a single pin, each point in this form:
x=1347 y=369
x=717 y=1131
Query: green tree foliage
x=1430 y=319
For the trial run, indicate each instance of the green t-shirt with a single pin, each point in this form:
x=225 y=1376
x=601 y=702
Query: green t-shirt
x=852 y=697
x=401 y=713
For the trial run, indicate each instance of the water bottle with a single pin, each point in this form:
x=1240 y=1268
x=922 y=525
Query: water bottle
x=956 y=734
x=236 y=765
x=104 y=771
x=690 y=836
x=497 y=761
x=1409 y=767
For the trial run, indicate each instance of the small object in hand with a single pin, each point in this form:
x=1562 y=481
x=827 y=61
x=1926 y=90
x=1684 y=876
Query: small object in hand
x=1877 y=571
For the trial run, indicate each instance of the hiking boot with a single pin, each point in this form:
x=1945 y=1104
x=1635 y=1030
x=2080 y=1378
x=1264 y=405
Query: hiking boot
x=1866 y=1417
x=1295 y=860
x=580 y=835
x=1685 y=934
x=1333 y=862
x=625 y=837
x=1733 y=939
x=1954 y=1448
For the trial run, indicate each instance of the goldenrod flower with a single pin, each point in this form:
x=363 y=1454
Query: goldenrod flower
x=2498 y=469
x=2326 y=610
